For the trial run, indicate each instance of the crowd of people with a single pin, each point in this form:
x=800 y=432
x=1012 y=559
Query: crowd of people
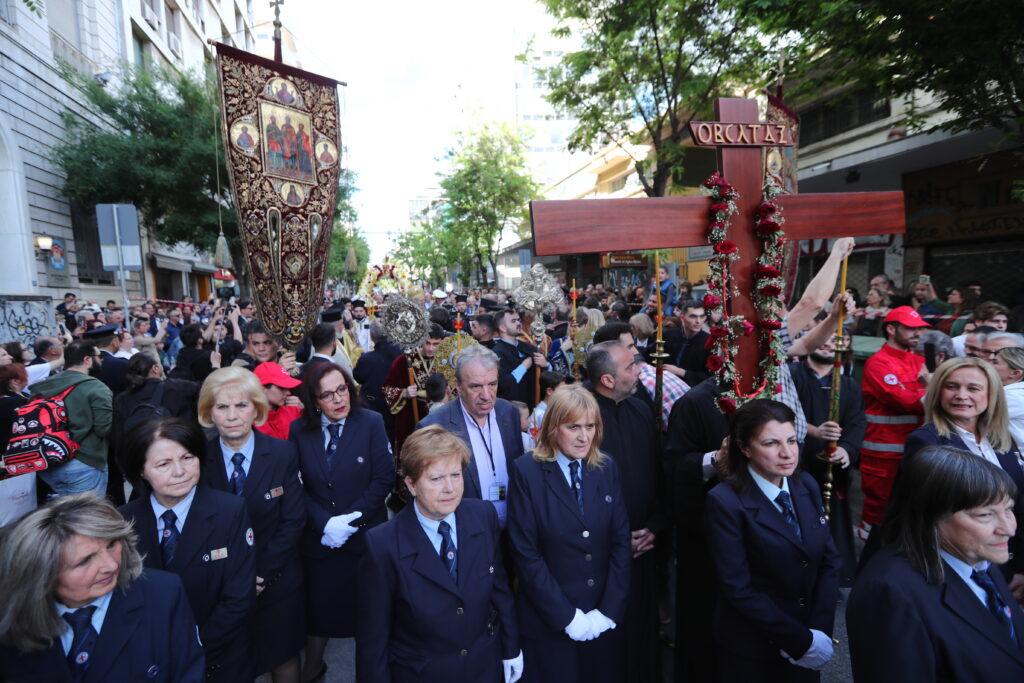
x=223 y=507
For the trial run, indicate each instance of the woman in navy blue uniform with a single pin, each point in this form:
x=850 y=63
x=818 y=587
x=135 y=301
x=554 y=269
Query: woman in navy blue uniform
x=264 y=472
x=78 y=606
x=777 y=567
x=965 y=408
x=347 y=471
x=201 y=534
x=434 y=600
x=570 y=539
x=931 y=604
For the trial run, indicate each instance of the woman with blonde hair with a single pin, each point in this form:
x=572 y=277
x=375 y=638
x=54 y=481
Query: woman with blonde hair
x=1009 y=364
x=75 y=596
x=264 y=472
x=965 y=408
x=643 y=329
x=570 y=539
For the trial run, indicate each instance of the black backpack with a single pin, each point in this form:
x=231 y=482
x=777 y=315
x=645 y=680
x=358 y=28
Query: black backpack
x=151 y=410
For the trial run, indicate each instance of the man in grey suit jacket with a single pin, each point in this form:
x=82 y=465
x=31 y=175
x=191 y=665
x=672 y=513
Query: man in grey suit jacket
x=488 y=424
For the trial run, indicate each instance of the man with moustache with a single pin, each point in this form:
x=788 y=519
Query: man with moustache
x=488 y=424
x=89 y=407
x=813 y=380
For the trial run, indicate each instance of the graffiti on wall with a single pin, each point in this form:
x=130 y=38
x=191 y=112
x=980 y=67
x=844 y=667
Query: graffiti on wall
x=25 y=318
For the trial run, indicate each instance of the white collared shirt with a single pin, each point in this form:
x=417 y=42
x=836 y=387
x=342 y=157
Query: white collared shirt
x=180 y=510
x=769 y=489
x=489 y=456
x=247 y=450
x=982 y=450
x=67 y=636
x=430 y=528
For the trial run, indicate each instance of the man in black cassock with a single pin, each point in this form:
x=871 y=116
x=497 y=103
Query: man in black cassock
x=631 y=439
x=813 y=380
x=518 y=361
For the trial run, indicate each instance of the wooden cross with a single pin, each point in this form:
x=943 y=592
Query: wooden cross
x=592 y=225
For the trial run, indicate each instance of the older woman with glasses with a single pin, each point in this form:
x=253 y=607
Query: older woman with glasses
x=78 y=605
x=262 y=471
x=347 y=471
x=931 y=604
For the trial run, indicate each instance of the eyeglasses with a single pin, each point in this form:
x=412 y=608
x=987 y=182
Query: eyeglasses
x=338 y=394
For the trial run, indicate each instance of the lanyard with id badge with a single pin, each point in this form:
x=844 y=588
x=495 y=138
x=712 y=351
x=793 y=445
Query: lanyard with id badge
x=496 y=491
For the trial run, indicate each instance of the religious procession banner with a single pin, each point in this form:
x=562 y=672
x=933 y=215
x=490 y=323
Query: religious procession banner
x=281 y=133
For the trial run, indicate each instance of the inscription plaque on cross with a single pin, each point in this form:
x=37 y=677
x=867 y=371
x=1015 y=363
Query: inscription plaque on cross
x=592 y=225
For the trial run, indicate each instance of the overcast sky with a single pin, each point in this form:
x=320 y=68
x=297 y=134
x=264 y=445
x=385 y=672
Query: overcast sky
x=416 y=73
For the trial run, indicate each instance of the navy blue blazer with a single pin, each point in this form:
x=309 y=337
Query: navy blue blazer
x=113 y=371
x=418 y=625
x=928 y=435
x=772 y=587
x=566 y=561
x=221 y=586
x=273 y=496
x=148 y=634
x=451 y=418
x=363 y=474
x=902 y=628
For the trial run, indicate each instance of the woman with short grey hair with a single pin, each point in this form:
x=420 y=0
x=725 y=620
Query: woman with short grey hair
x=75 y=593
x=1009 y=365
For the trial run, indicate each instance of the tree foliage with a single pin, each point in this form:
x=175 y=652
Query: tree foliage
x=435 y=249
x=346 y=233
x=646 y=68
x=969 y=55
x=485 y=192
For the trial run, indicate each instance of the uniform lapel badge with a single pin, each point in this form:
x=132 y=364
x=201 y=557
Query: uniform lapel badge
x=490 y=570
x=822 y=520
x=152 y=671
x=249 y=538
x=275 y=492
x=607 y=499
x=359 y=459
x=218 y=554
x=82 y=658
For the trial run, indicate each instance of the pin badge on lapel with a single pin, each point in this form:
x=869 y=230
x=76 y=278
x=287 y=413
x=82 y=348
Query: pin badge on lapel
x=490 y=570
x=218 y=554
x=276 y=492
x=822 y=520
x=206 y=557
x=607 y=499
x=359 y=460
x=152 y=671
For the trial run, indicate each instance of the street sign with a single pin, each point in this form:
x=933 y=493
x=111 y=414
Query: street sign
x=119 y=224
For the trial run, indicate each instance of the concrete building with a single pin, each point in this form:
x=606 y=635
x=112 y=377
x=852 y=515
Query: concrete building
x=51 y=245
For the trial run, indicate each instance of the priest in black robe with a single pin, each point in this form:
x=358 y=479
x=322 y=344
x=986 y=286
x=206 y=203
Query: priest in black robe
x=631 y=439
x=696 y=429
x=813 y=379
x=518 y=362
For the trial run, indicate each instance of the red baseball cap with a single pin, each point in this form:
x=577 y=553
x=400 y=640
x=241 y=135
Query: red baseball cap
x=272 y=373
x=905 y=315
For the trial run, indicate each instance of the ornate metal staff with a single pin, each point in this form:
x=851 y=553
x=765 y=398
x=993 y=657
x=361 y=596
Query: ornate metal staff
x=537 y=292
x=406 y=324
x=833 y=402
x=572 y=333
x=659 y=354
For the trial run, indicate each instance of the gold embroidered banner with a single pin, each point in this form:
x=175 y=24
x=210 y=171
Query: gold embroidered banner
x=280 y=128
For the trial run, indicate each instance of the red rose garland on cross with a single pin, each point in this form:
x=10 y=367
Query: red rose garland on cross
x=768 y=286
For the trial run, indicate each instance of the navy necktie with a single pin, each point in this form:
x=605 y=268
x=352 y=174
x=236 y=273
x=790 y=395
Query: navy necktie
x=169 y=537
x=449 y=555
x=83 y=642
x=332 y=446
x=788 y=512
x=995 y=602
x=577 y=483
x=238 y=475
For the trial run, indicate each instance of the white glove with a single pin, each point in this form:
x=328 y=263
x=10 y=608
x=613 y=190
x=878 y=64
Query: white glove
x=817 y=655
x=513 y=668
x=599 y=622
x=580 y=628
x=337 y=530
